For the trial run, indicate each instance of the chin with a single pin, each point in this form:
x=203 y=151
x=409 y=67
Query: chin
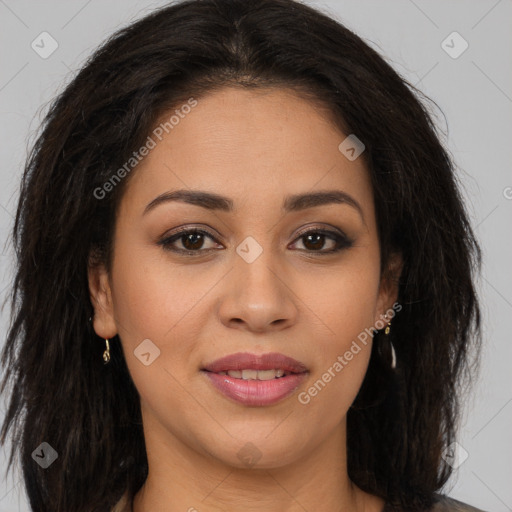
x=258 y=451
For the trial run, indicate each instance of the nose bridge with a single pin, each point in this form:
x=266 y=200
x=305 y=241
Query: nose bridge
x=257 y=296
x=255 y=264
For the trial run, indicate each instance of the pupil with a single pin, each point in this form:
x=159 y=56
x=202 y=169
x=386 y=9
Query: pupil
x=319 y=242
x=190 y=238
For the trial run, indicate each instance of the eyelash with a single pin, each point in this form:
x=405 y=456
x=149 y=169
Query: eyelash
x=342 y=241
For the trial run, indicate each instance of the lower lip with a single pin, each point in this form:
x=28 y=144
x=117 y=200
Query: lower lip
x=256 y=392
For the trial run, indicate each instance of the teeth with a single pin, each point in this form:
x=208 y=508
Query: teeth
x=255 y=374
x=267 y=374
x=248 y=374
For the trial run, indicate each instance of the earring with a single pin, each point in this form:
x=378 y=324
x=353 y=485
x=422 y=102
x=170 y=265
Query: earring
x=393 y=353
x=393 y=356
x=106 y=354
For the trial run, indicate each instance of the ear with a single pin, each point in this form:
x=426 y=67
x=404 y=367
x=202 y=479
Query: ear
x=388 y=289
x=101 y=299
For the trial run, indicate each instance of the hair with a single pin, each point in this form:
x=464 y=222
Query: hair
x=64 y=395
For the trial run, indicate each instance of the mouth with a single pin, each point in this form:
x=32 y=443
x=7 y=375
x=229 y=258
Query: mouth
x=246 y=362
x=251 y=374
x=256 y=380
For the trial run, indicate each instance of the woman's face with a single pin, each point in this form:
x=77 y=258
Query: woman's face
x=254 y=284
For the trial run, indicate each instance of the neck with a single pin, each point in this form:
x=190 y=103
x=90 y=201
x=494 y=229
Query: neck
x=182 y=479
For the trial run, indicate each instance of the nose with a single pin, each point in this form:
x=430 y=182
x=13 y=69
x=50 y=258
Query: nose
x=258 y=296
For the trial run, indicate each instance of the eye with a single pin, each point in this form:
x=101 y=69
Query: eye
x=315 y=239
x=192 y=241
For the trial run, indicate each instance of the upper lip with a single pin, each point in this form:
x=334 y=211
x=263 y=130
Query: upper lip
x=246 y=361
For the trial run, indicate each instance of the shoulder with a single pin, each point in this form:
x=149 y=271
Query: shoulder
x=446 y=504
x=442 y=503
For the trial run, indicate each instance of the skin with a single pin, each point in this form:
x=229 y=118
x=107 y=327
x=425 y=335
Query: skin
x=256 y=147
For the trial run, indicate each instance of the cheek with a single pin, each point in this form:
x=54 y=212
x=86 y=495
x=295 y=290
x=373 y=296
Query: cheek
x=153 y=298
x=344 y=297
x=164 y=303
x=157 y=320
x=344 y=304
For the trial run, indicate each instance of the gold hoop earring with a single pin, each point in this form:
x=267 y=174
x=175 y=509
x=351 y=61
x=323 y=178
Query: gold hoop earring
x=106 y=354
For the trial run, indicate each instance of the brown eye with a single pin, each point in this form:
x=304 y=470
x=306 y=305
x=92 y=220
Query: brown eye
x=192 y=241
x=314 y=241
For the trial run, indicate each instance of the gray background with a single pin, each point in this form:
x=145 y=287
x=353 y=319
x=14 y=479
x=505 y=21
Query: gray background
x=474 y=91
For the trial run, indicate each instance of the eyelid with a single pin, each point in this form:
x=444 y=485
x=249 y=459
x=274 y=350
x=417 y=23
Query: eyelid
x=321 y=228
x=303 y=231
x=193 y=227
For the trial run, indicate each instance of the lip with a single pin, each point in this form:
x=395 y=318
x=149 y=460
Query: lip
x=246 y=361
x=256 y=392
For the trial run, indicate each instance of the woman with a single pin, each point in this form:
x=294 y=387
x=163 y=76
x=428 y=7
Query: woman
x=245 y=276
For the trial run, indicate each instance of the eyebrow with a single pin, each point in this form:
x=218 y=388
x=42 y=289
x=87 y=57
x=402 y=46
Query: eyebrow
x=292 y=203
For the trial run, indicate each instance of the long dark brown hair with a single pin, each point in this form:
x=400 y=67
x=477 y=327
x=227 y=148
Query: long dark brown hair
x=89 y=413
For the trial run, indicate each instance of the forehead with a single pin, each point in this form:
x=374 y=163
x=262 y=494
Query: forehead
x=252 y=145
